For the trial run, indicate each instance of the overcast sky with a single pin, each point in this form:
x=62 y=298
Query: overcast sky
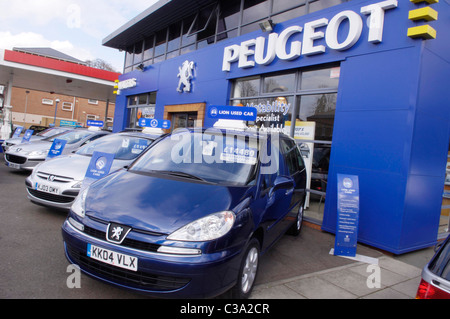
x=74 y=27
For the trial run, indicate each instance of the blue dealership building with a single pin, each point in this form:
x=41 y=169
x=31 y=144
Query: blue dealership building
x=363 y=85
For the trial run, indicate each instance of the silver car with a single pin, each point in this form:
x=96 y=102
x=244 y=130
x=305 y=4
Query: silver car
x=58 y=181
x=27 y=155
x=52 y=131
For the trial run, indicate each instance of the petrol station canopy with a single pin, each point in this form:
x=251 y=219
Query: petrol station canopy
x=59 y=74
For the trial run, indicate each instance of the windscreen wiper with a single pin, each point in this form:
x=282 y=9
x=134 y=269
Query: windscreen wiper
x=182 y=174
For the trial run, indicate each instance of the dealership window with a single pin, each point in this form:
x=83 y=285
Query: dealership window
x=221 y=20
x=306 y=98
x=140 y=106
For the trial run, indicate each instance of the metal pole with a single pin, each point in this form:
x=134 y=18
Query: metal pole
x=56 y=108
x=105 y=125
x=26 y=105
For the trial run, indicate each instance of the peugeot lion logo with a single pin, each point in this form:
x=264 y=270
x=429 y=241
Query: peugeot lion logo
x=116 y=233
x=185 y=74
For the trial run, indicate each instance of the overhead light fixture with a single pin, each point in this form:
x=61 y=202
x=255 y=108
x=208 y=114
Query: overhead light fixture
x=140 y=67
x=267 y=25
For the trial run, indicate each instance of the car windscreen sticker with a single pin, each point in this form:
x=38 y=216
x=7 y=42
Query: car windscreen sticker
x=240 y=155
x=139 y=146
x=125 y=143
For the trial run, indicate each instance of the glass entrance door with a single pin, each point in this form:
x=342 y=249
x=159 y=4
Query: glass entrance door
x=183 y=120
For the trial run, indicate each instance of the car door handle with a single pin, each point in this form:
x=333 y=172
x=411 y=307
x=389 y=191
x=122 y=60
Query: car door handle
x=289 y=191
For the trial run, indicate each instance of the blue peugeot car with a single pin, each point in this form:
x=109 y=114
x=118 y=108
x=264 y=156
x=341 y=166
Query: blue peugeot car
x=192 y=215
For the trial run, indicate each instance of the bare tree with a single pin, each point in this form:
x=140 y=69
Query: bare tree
x=100 y=64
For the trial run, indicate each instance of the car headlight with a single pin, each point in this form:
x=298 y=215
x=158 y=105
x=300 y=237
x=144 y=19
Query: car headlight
x=78 y=185
x=78 y=207
x=207 y=228
x=38 y=153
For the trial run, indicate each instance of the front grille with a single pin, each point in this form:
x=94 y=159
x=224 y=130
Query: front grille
x=56 y=178
x=137 y=279
x=15 y=159
x=130 y=243
x=51 y=197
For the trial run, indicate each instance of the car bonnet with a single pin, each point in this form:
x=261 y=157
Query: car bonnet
x=29 y=147
x=156 y=203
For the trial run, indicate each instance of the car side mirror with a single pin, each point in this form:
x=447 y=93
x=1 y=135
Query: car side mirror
x=437 y=246
x=282 y=182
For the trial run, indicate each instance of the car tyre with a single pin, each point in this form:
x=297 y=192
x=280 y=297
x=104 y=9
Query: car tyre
x=296 y=228
x=248 y=271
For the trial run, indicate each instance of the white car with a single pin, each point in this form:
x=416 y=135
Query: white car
x=27 y=155
x=52 y=131
x=57 y=182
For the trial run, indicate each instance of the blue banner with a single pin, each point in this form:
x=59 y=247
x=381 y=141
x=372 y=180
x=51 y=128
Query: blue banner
x=57 y=148
x=27 y=136
x=100 y=165
x=347 y=216
x=154 y=123
x=226 y=112
x=95 y=123
x=18 y=131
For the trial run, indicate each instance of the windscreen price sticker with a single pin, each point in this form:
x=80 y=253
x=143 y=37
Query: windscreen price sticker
x=239 y=155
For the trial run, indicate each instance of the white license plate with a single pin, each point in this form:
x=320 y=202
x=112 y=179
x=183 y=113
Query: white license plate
x=46 y=188
x=13 y=165
x=112 y=258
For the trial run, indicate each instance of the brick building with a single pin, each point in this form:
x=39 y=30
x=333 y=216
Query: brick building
x=31 y=107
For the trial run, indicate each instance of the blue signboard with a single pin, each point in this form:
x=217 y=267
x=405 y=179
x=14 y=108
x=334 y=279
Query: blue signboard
x=95 y=123
x=348 y=216
x=57 y=148
x=68 y=123
x=18 y=131
x=226 y=112
x=154 y=123
x=27 y=136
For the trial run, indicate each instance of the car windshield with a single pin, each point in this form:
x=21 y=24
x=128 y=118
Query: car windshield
x=124 y=147
x=207 y=156
x=71 y=137
x=51 y=132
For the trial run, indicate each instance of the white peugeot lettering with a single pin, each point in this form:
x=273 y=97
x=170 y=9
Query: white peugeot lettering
x=296 y=46
x=231 y=54
x=245 y=52
x=310 y=34
x=263 y=51
x=376 y=18
x=356 y=24
x=259 y=49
